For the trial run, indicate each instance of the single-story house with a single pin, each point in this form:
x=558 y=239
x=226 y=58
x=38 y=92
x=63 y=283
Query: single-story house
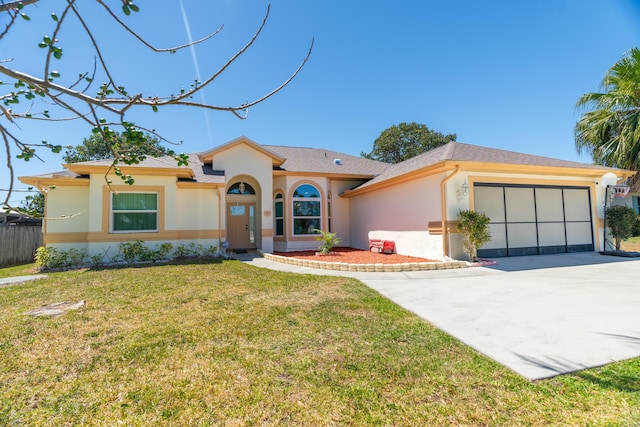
x=243 y=195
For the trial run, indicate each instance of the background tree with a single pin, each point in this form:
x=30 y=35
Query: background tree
x=95 y=148
x=406 y=140
x=610 y=131
x=97 y=95
x=33 y=205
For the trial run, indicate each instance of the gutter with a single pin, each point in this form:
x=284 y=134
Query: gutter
x=443 y=201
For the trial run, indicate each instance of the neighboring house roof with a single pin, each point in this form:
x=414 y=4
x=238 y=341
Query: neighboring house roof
x=13 y=218
x=326 y=162
x=456 y=152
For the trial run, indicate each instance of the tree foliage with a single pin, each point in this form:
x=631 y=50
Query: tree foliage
x=621 y=220
x=406 y=140
x=97 y=95
x=610 y=130
x=33 y=205
x=474 y=227
x=95 y=148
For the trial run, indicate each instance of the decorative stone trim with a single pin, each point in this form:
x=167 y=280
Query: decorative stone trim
x=342 y=266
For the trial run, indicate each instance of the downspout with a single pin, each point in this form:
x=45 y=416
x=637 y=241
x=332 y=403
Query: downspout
x=220 y=234
x=443 y=201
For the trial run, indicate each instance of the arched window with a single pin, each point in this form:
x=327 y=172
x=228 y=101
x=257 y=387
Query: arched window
x=306 y=210
x=278 y=216
x=241 y=188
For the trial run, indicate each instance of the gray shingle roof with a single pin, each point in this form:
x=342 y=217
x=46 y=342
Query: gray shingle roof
x=316 y=160
x=202 y=172
x=457 y=151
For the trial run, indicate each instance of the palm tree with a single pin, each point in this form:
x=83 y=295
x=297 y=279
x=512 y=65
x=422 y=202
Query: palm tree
x=610 y=131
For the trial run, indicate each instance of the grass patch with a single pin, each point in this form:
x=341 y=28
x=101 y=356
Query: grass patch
x=226 y=343
x=632 y=244
x=18 y=270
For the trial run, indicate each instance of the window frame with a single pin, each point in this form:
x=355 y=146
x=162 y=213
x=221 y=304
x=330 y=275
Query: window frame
x=329 y=217
x=278 y=200
x=297 y=199
x=113 y=212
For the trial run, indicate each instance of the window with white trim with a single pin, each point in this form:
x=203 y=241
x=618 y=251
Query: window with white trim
x=134 y=212
x=306 y=210
x=278 y=217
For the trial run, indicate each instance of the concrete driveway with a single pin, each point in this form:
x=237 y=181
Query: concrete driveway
x=540 y=316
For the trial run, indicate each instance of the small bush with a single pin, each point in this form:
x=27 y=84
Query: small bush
x=474 y=227
x=195 y=251
x=49 y=258
x=621 y=220
x=636 y=226
x=327 y=241
x=132 y=251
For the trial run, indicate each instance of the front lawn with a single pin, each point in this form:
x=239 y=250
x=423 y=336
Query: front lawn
x=632 y=244
x=229 y=344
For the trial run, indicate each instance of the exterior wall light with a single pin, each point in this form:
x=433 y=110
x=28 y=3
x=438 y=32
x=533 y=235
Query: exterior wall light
x=464 y=190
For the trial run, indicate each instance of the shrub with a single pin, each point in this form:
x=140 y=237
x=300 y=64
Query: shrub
x=636 y=226
x=621 y=219
x=48 y=258
x=474 y=227
x=137 y=251
x=327 y=241
x=195 y=251
x=132 y=251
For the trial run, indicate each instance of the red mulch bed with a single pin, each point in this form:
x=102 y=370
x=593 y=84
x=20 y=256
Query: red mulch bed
x=354 y=256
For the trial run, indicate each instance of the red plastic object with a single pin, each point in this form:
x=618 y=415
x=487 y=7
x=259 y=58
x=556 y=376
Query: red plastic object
x=383 y=246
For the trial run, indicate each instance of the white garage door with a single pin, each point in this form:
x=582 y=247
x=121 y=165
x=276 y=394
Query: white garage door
x=532 y=220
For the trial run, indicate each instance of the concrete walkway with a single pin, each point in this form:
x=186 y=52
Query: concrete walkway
x=540 y=316
x=7 y=281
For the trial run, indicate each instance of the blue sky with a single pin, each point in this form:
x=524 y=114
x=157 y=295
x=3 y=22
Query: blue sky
x=498 y=73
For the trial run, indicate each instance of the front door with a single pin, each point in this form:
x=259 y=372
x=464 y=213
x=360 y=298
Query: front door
x=241 y=226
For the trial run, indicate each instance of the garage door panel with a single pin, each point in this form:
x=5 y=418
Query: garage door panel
x=498 y=234
x=576 y=202
x=490 y=200
x=551 y=234
x=522 y=235
x=549 y=204
x=520 y=204
x=579 y=233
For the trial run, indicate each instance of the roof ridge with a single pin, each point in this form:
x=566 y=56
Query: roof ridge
x=450 y=150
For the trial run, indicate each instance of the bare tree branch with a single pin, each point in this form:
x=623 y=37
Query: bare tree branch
x=149 y=45
x=112 y=98
x=13 y=5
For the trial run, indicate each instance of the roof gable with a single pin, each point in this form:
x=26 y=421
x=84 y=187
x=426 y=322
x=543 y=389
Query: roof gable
x=207 y=156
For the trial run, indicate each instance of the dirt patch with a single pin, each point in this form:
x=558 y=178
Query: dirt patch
x=354 y=256
x=56 y=309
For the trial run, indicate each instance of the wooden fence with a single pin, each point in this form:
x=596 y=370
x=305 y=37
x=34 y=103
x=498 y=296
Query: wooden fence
x=18 y=244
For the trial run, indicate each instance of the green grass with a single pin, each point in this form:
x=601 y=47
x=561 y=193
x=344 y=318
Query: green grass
x=18 y=270
x=229 y=344
x=631 y=244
